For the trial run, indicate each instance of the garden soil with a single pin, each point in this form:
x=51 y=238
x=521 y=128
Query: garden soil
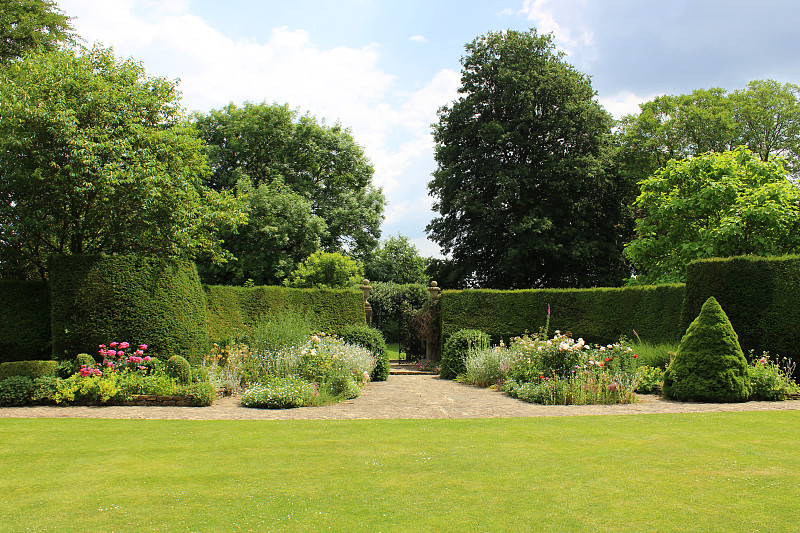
x=416 y=396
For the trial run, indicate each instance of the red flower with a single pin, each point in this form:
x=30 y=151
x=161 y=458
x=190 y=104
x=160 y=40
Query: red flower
x=635 y=356
x=608 y=359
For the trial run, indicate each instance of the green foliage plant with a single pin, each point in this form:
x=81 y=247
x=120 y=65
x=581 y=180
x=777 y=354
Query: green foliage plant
x=770 y=381
x=25 y=332
x=326 y=270
x=456 y=348
x=179 y=368
x=709 y=365
x=396 y=260
x=713 y=205
x=487 y=367
x=201 y=394
x=32 y=25
x=16 y=391
x=371 y=339
x=649 y=379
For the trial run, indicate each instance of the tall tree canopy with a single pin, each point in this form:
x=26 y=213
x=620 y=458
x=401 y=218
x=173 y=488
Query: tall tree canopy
x=396 y=260
x=713 y=205
x=765 y=117
x=97 y=157
x=264 y=143
x=520 y=186
x=31 y=25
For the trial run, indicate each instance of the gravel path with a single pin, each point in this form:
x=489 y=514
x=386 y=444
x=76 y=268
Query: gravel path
x=405 y=396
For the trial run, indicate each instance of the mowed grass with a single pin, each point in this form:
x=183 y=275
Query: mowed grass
x=393 y=350
x=677 y=472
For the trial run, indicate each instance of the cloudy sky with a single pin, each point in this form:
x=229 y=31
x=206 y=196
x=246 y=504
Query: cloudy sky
x=382 y=68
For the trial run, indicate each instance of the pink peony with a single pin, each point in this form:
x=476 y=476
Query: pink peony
x=120 y=353
x=142 y=346
x=114 y=344
x=147 y=358
x=102 y=346
x=123 y=345
x=139 y=352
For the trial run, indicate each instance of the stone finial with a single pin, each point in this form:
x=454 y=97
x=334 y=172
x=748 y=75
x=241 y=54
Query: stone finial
x=434 y=290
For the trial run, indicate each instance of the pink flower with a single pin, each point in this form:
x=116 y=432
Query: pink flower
x=123 y=345
x=139 y=352
x=114 y=344
x=140 y=367
x=147 y=358
x=120 y=353
x=142 y=346
x=102 y=346
x=109 y=364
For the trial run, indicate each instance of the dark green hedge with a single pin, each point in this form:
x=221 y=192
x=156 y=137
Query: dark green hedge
x=233 y=310
x=761 y=297
x=29 y=369
x=598 y=315
x=24 y=320
x=153 y=301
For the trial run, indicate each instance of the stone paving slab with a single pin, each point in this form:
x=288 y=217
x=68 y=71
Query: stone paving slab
x=408 y=397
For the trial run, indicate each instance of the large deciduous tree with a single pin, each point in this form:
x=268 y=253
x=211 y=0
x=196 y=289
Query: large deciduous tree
x=713 y=205
x=264 y=143
x=521 y=191
x=96 y=157
x=765 y=117
x=31 y=25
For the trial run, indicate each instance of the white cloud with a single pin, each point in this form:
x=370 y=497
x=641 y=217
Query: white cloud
x=418 y=39
x=545 y=19
x=624 y=103
x=337 y=84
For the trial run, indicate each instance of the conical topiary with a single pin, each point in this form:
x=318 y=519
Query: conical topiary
x=709 y=365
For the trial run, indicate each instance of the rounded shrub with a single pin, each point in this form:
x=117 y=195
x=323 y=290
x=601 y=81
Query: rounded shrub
x=179 y=368
x=84 y=359
x=158 y=301
x=709 y=365
x=456 y=348
x=371 y=339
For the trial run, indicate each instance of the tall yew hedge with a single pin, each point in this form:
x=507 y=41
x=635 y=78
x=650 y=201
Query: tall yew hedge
x=233 y=310
x=598 y=315
x=24 y=320
x=153 y=301
x=760 y=295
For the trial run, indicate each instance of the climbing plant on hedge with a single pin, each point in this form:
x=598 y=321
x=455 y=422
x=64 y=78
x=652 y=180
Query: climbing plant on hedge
x=709 y=365
x=153 y=301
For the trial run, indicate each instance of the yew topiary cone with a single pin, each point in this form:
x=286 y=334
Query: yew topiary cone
x=709 y=365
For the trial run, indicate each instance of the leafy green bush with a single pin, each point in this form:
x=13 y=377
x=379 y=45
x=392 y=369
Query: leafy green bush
x=325 y=270
x=650 y=379
x=769 y=381
x=84 y=359
x=279 y=393
x=45 y=390
x=201 y=393
x=179 y=368
x=31 y=369
x=372 y=340
x=16 y=390
x=456 y=349
x=107 y=389
x=135 y=384
x=709 y=365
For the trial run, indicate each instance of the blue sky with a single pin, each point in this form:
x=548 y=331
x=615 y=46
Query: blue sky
x=382 y=68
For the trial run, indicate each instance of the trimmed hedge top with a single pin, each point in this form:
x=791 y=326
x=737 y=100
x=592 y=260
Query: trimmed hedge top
x=232 y=310
x=598 y=315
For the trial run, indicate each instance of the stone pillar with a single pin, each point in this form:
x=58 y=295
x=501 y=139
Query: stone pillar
x=365 y=288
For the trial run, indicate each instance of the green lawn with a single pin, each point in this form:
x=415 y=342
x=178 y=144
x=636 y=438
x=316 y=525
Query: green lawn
x=682 y=472
x=393 y=349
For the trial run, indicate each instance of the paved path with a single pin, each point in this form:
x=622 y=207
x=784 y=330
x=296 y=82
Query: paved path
x=412 y=396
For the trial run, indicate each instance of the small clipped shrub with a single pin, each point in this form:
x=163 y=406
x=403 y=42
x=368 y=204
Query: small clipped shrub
x=179 y=368
x=31 y=369
x=649 y=379
x=456 y=349
x=371 y=339
x=709 y=365
x=279 y=393
x=84 y=359
x=16 y=390
x=45 y=389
